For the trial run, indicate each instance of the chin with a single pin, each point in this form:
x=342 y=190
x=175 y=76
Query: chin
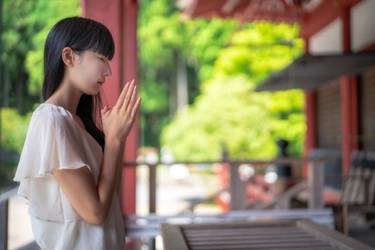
x=92 y=92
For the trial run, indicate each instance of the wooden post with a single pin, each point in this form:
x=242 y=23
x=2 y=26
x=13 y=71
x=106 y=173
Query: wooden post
x=120 y=16
x=4 y=225
x=349 y=114
x=310 y=135
x=152 y=188
x=316 y=185
x=238 y=197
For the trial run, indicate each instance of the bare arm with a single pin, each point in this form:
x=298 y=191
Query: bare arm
x=119 y=168
x=92 y=202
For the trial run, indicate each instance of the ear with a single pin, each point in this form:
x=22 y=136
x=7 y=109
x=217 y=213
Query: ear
x=68 y=55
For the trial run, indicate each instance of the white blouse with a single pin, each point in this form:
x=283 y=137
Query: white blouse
x=55 y=141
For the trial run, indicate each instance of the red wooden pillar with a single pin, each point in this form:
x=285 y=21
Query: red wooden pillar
x=311 y=129
x=349 y=99
x=310 y=114
x=109 y=13
x=120 y=16
x=130 y=57
x=349 y=113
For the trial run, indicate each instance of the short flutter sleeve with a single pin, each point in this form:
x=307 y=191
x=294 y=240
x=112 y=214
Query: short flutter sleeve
x=53 y=141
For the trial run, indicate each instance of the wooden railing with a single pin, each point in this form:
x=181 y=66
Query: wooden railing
x=4 y=207
x=314 y=183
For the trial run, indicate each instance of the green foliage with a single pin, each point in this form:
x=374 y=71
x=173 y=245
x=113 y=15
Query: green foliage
x=287 y=119
x=14 y=129
x=205 y=41
x=228 y=111
x=163 y=39
x=25 y=27
x=259 y=49
x=44 y=16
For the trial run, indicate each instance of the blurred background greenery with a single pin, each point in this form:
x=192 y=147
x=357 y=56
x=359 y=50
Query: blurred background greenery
x=215 y=64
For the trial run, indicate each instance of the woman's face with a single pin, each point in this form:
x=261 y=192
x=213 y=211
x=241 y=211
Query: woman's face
x=89 y=72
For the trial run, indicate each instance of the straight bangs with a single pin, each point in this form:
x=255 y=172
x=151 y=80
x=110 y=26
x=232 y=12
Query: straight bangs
x=95 y=36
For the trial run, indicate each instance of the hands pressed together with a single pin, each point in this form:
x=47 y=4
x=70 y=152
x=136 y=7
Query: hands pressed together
x=118 y=121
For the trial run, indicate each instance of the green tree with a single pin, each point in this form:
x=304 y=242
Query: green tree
x=164 y=38
x=14 y=129
x=229 y=112
x=25 y=27
x=44 y=16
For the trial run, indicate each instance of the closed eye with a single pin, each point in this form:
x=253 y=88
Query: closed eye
x=101 y=59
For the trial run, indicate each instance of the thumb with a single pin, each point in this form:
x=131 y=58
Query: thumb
x=105 y=109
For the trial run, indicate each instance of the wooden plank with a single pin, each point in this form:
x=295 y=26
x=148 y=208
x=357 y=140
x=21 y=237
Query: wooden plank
x=260 y=242
x=238 y=214
x=311 y=236
x=301 y=245
x=348 y=186
x=338 y=239
x=248 y=232
x=371 y=189
x=148 y=226
x=244 y=237
x=363 y=191
x=357 y=185
x=173 y=238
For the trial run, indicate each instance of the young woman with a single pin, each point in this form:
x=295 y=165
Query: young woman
x=70 y=170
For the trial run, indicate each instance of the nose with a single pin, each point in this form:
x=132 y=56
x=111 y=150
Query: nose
x=108 y=71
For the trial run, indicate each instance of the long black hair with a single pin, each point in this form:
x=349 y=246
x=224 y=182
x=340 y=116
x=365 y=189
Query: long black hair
x=79 y=34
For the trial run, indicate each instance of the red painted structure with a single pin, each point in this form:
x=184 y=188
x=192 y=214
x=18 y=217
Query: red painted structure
x=120 y=16
x=312 y=20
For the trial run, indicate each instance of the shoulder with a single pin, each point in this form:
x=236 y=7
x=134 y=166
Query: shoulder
x=50 y=115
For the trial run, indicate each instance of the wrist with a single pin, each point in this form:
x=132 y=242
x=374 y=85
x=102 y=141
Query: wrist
x=112 y=142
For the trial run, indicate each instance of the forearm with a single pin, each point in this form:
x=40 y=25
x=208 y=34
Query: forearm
x=108 y=176
x=119 y=168
x=93 y=200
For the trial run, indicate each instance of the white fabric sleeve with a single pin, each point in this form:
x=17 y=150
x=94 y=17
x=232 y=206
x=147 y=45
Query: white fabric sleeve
x=52 y=142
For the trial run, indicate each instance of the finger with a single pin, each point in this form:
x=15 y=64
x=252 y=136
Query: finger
x=128 y=96
x=132 y=99
x=135 y=108
x=121 y=98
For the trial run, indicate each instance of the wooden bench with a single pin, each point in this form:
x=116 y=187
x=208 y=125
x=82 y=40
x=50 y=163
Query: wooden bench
x=150 y=226
x=273 y=234
x=358 y=194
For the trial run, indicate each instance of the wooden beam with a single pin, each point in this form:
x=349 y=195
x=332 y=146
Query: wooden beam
x=345 y=16
x=229 y=6
x=324 y=14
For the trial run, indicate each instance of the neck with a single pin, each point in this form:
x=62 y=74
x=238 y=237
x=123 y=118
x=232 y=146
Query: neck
x=66 y=98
